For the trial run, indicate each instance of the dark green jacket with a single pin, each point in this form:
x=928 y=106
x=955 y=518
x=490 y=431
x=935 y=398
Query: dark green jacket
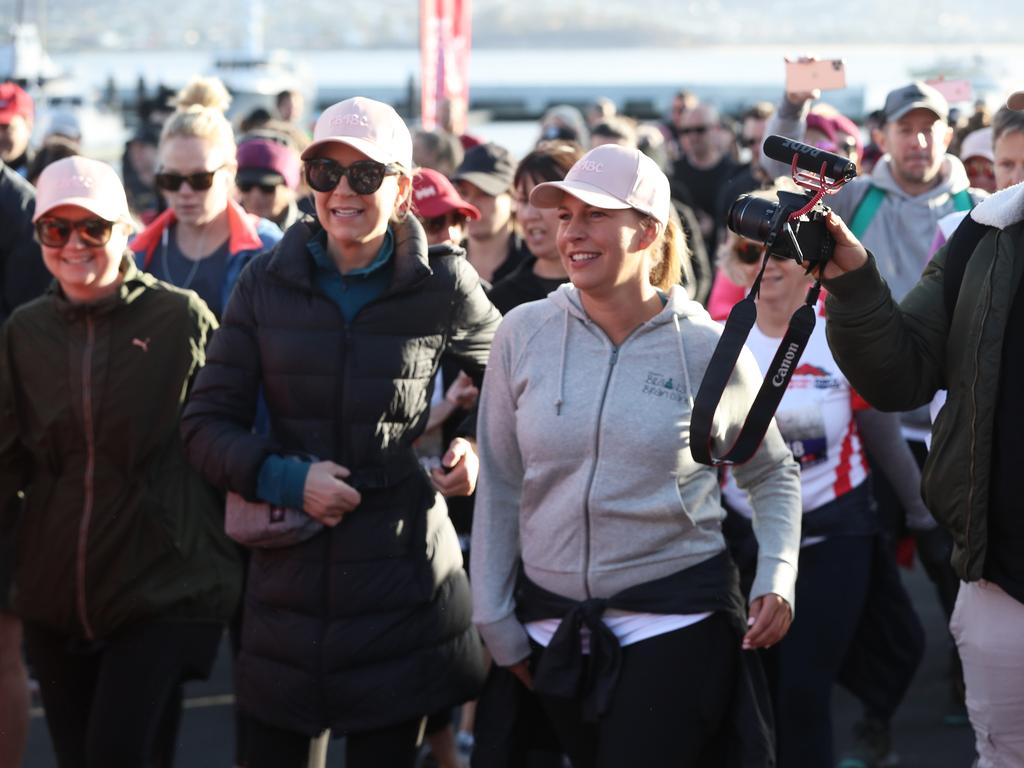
x=115 y=526
x=898 y=356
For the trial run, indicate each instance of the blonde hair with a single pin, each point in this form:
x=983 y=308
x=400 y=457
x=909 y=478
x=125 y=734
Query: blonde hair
x=199 y=113
x=669 y=253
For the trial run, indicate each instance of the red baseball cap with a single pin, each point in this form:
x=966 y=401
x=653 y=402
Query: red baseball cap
x=14 y=101
x=433 y=195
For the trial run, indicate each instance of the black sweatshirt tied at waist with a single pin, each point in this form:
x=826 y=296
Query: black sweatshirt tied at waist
x=710 y=586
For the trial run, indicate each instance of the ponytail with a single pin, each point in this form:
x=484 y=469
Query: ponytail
x=670 y=254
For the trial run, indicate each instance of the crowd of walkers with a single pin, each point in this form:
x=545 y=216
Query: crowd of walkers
x=243 y=394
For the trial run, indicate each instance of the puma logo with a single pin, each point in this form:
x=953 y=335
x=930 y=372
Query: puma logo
x=143 y=345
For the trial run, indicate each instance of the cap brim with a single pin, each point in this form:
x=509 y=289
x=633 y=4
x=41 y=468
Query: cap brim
x=259 y=176
x=550 y=194
x=1016 y=101
x=488 y=183
x=372 y=151
x=917 y=105
x=105 y=212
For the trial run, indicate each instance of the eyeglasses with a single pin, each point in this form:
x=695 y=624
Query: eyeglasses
x=436 y=224
x=364 y=176
x=55 y=233
x=747 y=141
x=697 y=129
x=249 y=186
x=200 y=181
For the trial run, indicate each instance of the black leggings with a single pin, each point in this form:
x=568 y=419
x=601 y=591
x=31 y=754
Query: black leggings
x=106 y=702
x=669 y=707
x=394 y=746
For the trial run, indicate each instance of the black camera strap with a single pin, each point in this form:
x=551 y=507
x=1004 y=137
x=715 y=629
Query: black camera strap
x=720 y=368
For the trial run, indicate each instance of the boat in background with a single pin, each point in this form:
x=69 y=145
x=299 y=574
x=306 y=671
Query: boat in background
x=57 y=96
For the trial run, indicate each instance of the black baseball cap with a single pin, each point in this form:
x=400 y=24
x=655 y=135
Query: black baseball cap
x=487 y=166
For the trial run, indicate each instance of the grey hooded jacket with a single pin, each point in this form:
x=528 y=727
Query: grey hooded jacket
x=586 y=473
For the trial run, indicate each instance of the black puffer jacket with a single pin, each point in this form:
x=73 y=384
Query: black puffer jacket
x=367 y=624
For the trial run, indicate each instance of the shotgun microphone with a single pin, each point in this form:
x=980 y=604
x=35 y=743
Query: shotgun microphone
x=809 y=158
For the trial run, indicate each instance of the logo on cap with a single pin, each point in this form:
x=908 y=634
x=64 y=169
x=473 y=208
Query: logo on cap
x=78 y=181
x=591 y=166
x=430 y=191
x=343 y=121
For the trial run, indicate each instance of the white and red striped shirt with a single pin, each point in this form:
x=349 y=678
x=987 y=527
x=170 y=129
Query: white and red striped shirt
x=815 y=418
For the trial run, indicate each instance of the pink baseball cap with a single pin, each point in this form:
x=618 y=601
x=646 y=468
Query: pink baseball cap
x=1016 y=101
x=612 y=177
x=368 y=126
x=433 y=195
x=89 y=184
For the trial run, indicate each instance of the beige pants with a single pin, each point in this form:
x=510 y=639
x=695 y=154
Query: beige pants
x=988 y=626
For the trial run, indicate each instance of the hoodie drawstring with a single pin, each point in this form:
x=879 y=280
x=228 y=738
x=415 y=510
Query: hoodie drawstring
x=561 y=366
x=682 y=357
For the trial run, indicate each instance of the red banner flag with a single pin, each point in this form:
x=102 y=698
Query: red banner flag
x=444 y=63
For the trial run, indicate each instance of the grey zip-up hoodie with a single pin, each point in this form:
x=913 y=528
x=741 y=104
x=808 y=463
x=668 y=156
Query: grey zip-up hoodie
x=586 y=472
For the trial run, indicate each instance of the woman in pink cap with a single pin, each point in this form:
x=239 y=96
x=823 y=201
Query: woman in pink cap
x=123 y=575
x=364 y=628
x=628 y=622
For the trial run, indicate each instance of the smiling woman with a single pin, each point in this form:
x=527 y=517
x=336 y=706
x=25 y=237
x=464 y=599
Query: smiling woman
x=587 y=481
x=364 y=628
x=94 y=378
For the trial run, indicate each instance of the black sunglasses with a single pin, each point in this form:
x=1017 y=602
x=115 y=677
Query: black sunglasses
x=364 y=176
x=698 y=129
x=249 y=186
x=200 y=181
x=55 y=233
x=747 y=251
x=436 y=224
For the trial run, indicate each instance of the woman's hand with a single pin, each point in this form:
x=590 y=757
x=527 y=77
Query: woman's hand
x=463 y=392
x=459 y=469
x=770 y=617
x=848 y=255
x=326 y=497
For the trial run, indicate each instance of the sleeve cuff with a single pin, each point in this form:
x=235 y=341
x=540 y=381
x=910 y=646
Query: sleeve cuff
x=282 y=481
x=506 y=639
x=775 y=576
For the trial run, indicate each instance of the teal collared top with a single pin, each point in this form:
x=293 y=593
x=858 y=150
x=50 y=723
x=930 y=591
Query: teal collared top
x=356 y=288
x=282 y=480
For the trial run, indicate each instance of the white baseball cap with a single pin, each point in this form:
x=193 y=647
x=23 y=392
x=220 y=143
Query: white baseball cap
x=977 y=144
x=369 y=126
x=89 y=184
x=612 y=177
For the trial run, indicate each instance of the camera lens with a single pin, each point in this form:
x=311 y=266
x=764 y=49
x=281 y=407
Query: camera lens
x=751 y=217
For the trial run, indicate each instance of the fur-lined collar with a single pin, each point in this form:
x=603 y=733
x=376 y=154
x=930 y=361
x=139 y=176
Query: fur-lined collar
x=1002 y=209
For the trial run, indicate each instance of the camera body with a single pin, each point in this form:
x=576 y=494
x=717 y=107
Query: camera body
x=805 y=239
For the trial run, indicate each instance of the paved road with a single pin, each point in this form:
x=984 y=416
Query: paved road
x=922 y=737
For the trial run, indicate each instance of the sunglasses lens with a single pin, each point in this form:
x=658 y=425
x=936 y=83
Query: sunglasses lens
x=435 y=224
x=323 y=175
x=366 y=176
x=201 y=181
x=95 y=231
x=169 y=181
x=53 y=233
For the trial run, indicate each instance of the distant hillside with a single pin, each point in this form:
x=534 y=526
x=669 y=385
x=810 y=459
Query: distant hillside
x=524 y=23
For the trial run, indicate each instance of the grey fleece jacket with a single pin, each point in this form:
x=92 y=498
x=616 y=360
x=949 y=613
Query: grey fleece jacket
x=901 y=232
x=586 y=473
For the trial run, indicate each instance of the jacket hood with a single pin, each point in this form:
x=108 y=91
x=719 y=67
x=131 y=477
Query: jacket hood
x=1003 y=209
x=678 y=304
x=242 y=227
x=952 y=175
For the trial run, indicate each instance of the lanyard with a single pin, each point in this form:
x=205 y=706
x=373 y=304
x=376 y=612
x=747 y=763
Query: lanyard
x=722 y=364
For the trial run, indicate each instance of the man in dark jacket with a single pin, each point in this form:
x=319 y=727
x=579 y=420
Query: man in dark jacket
x=22 y=278
x=960 y=328
x=22 y=274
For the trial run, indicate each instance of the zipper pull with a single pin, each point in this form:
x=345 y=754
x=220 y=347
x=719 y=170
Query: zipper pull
x=615 y=356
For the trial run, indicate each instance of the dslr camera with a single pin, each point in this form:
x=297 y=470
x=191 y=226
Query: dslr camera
x=794 y=227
